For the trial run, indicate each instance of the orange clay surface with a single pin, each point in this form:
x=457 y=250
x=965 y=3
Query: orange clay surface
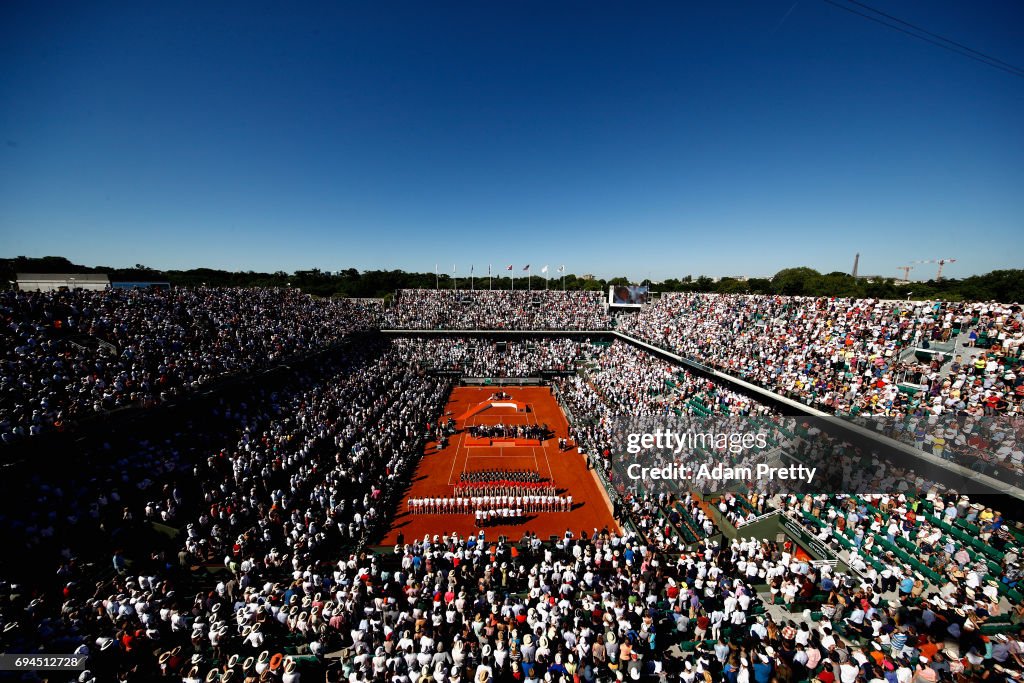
x=438 y=471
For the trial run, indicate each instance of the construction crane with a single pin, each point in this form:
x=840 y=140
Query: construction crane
x=906 y=272
x=941 y=262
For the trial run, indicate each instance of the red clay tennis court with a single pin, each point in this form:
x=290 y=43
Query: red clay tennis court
x=439 y=470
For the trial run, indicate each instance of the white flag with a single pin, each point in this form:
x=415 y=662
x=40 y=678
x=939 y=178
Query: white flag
x=544 y=269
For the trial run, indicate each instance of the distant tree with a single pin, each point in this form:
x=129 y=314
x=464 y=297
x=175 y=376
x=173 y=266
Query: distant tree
x=730 y=285
x=704 y=284
x=759 y=285
x=796 y=281
x=837 y=284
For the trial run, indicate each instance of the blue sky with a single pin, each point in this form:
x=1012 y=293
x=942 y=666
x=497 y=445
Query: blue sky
x=653 y=140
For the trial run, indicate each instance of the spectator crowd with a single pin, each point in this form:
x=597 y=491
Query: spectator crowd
x=487 y=357
x=239 y=546
x=857 y=358
x=452 y=309
x=70 y=354
x=840 y=355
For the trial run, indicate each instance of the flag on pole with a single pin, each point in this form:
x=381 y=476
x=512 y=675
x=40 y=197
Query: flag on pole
x=526 y=268
x=544 y=269
x=509 y=267
x=561 y=269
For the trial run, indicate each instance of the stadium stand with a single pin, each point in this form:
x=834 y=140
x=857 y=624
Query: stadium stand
x=475 y=357
x=449 y=309
x=856 y=358
x=69 y=354
x=268 y=506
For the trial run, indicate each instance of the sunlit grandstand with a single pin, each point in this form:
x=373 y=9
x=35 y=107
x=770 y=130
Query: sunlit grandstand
x=256 y=484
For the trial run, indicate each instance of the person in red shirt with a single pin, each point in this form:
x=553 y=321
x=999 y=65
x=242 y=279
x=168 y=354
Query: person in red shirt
x=928 y=648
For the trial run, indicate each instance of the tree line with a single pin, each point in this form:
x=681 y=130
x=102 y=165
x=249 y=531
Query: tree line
x=999 y=285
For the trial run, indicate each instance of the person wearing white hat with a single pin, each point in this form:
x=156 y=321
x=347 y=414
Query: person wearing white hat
x=262 y=662
x=291 y=672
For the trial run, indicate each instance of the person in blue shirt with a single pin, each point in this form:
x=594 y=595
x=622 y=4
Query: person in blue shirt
x=731 y=671
x=763 y=669
x=120 y=566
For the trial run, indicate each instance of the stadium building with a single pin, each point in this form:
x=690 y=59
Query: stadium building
x=226 y=484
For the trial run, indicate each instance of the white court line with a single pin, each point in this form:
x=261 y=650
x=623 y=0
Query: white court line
x=455 y=459
x=544 y=450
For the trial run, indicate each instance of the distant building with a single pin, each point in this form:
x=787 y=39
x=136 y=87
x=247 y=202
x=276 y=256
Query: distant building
x=588 y=276
x=48 y=282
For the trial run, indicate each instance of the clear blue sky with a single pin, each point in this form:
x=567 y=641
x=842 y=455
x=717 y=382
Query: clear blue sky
x=655 y=139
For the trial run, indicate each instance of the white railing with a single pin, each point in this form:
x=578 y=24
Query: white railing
x=767 y=515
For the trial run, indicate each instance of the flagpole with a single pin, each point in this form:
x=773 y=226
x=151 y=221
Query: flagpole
x=490 y=283
x=472 y=287
x=437 y=278
x=455 y=277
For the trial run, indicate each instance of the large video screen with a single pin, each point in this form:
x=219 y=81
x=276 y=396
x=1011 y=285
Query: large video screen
x=627 y=295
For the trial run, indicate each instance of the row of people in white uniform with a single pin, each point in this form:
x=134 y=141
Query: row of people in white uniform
x=504 y=489
x=470 y=504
